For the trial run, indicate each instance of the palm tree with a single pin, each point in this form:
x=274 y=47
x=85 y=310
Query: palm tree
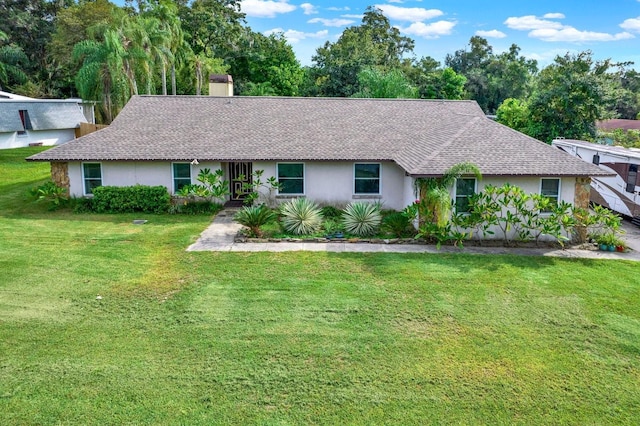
x=10 y=59
x=100 y=77
x=435 y=196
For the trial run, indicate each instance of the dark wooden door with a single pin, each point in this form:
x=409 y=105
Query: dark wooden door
x=240 y=173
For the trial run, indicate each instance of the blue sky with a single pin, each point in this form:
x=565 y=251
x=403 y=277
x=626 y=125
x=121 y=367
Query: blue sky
x=542 y=28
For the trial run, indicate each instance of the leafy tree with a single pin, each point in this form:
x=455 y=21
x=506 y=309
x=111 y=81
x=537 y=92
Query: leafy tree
x=515 y=114
x=85 y=20
x=378 y=84
x=100 y=77
x=569 y=96
x=264 y=61
x=12 y=58
x=374 y=43
x=492 y=78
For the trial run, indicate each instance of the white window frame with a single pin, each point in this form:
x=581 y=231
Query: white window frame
x=365 y=194
x=304 y=178
x=84 y=179
x=455 y=191
x=559 y=197
x=173 y=177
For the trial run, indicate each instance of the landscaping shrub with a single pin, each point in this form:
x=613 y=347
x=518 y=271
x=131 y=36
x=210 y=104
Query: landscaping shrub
x=361 y=219
x=49 y=191
x=331 y=212
x=254 y=217
x=130 y=199
x=398 y=224
x=301 y=216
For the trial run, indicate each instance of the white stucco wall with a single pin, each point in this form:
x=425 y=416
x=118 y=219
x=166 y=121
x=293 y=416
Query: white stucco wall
x=332 y=183
x=530 y=185
x=46 y=137
x=121 y=173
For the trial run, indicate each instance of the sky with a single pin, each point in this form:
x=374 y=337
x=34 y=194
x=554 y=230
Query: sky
x=542 y=29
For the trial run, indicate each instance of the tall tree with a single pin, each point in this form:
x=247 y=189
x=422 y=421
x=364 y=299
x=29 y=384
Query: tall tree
x=86 y=20
x=569 y=96
x=379 y=84
x=101 y=76
x=12 y=61
x=374 y=43
x=492 y=78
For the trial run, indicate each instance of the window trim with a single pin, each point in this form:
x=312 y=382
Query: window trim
x=455 y=192
x=366 y=194
x=559 y=197
x=25 y=120
x=173 y=175
x=304 y=178
x=84 y=178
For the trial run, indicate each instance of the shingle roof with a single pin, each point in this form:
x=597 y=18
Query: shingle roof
x=424 y=137
x=43 y=114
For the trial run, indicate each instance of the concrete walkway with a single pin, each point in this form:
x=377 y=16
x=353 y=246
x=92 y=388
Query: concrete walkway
x=219 y=236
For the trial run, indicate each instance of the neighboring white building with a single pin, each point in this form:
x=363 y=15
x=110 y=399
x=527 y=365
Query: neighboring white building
x=331 y=150
x=618 y=191
x=25 y=121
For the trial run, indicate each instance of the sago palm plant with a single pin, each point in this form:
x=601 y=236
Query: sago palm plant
x=254 y=218
x=301 y=216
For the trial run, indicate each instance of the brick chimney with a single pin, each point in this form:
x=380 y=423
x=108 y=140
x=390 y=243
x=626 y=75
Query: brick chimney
x=220 y=85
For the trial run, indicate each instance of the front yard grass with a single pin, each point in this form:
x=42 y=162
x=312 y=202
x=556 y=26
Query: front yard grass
x=297 y=338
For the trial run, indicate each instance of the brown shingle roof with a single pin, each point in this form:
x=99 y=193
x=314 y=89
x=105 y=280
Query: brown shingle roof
x=424 y=137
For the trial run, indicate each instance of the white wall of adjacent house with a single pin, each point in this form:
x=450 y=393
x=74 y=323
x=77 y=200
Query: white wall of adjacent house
x=43 y=137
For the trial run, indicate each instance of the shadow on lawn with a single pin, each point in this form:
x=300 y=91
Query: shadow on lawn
x=460 y=262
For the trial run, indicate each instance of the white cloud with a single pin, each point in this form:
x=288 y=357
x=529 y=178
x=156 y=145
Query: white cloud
x=410 y=14
x=331 y=22
x=346 y=9
x=545 y=30
x=531 y=22
x=358 y=16
x=555 y=15
x=570 y=34
x=632 y=24
x=309 y=9
x=433 y=30
x=265 y=9
x=294 y=36
x=491 y=34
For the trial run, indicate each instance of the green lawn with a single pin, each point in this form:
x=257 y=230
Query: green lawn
x=297 y=338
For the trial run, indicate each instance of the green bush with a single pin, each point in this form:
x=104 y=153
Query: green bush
x=49 y=191
x=331 y=212
x=131 y=199
x=398 y=224
x=361 y=219
x=254 y=217
x=196 y=207
x=301 y=216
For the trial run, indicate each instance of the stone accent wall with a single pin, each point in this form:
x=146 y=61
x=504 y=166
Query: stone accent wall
x=581 y=199
x=60 y=174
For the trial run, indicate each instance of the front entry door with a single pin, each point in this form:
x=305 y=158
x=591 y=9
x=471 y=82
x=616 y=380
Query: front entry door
x=240 y=173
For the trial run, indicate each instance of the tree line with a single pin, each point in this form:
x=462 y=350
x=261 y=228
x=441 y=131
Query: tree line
x=102 y=52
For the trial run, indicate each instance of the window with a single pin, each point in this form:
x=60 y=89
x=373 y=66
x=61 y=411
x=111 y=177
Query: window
x=291 y=178
x=550 y=188
x=632 y=178
x=181 y=176
x=367 y=178
x=92 y=175
x=26 y=122
x=465 y=188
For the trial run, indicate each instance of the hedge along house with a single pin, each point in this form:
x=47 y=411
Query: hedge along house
x=331 y=150
x=26 y=121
